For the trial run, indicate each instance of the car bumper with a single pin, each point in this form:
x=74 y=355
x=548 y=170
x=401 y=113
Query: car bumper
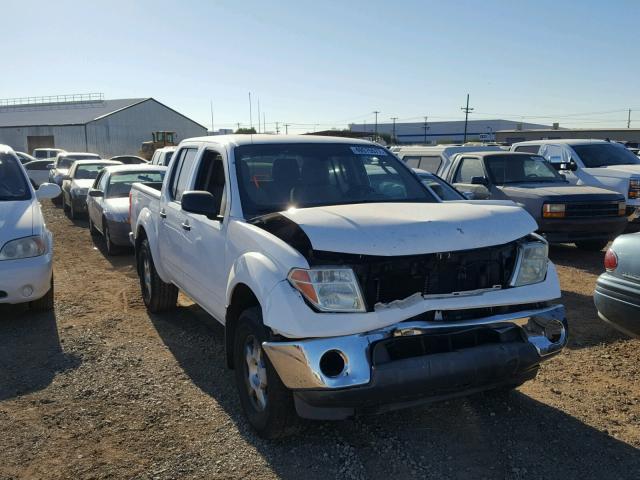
x=564 y=230
x=119 y=232
x=618 y=303
x=416 y=361
x=26 y=279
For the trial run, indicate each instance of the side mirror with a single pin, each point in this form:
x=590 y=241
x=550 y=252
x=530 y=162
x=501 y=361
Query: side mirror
x=479 y=181
x=48 y=190
x=571 y=166
x=469 y=195
x=51 y=166
x=96 y=193
x=200 y=203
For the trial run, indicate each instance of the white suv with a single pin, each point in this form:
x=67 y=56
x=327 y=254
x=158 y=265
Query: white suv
x=26 y=247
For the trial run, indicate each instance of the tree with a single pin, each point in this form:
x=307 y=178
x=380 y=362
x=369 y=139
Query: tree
x=246 y=130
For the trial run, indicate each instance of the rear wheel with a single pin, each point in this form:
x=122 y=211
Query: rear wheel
x=158 y=296
x=72 y=211
x=44 y=304
x=592 y=245
x=92 y=228
x=111 y=248
x=267 y=403
x=65 y=206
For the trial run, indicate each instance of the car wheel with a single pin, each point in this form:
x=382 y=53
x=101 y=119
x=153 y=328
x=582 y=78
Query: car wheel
x=44 y=304
x=92 y=228
x=592 y=245
x=158 y=296
x=65 y=206
x=111 y=248
x=267 y=403
x=72 y=211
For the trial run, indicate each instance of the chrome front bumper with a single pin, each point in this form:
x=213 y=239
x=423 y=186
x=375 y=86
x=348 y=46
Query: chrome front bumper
x=298 y=363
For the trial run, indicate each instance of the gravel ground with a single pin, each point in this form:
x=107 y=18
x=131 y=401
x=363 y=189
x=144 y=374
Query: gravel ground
x=101 y=389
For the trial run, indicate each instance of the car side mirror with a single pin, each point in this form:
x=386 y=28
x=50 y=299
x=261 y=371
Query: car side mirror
x=51 y=166
x=96 y=193
x=48 y=190
x=201 y=203
x=571 y=166
x=479 y=181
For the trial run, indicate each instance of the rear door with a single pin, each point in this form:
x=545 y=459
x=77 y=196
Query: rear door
x=173 y=238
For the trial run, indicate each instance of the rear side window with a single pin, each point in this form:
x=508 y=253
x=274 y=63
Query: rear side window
x=528 y=148
x=430 y=163
x=181 y=171
x=469 y=168
x=13 y=184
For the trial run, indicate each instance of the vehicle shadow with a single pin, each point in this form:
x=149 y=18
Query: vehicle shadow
x=486 y=435
x=572 y=257
x=123 y=260
x=30 y=351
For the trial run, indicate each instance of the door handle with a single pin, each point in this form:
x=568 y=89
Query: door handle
x=186 y=226
x=163 y=214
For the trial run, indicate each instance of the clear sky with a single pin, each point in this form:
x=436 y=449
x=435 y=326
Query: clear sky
x=334 y=62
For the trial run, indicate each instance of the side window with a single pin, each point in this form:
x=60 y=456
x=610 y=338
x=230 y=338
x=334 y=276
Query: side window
x=412 y=161
x=431 y=163
x=469 y=168
x=210 y=178
x=181 y=170
x=103 y=181
x=528 y=148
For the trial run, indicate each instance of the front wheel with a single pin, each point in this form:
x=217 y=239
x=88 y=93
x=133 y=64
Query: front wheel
x=267 y=403
x=592 y=245
x=111 y=248
x=158 y=296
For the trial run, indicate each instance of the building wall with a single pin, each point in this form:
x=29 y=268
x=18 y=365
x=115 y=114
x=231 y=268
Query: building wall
x=123 y=132
x=69 y=137
x=620 y=134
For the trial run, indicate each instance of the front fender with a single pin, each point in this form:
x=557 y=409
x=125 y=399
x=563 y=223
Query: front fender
x=147 y=221
x=256 y=271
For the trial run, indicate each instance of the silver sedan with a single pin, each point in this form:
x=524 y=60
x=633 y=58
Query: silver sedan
x=108 y=201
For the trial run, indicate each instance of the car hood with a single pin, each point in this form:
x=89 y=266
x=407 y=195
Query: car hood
x=388 y=229
x=16 y=220
x=572 y=192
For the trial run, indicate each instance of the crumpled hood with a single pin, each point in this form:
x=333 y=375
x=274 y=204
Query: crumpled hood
x=574 y=192
x=16 y=220
x=388 y=229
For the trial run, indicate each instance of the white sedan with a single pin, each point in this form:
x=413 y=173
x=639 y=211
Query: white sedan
x=26 y=246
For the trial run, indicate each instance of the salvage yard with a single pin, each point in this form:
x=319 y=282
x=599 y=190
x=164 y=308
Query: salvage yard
x=102 y=389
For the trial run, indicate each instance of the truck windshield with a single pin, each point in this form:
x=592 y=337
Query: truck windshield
x=13 y=184
x=597 y=155
x=275 y=177
x=518 y=168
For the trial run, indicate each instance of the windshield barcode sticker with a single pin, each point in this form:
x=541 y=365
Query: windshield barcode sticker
x=368 y=151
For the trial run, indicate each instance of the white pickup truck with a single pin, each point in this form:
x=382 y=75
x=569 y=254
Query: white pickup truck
x=344 y=286
x=597 y=163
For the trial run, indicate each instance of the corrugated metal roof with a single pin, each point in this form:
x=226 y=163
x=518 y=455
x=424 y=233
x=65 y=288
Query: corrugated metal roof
x=69 y=113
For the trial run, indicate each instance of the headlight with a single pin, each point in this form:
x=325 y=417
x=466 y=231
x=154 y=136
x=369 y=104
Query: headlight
x=329 y=289
x=23 y=248
x=634 y=188
x=533 y=258
x=553 y=210
x=77 y=192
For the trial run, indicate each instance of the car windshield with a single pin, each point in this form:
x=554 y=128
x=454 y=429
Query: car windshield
x=597 y=155
x=88 y=172
x=120 y=183
x=275 y=177
x=439 y=187
x=13 y=184
x=518 y=168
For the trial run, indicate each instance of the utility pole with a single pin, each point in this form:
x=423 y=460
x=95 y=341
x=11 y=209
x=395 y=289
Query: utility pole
x=466 y=111
x=258 y=114
x=211 y=104
x=286 y=128
x=394 y=129
x=426 y=127
x=629 y=119
x=250 y=114
x=376 y=112
x=277 y=128
x=264 y=122
x=238 y=125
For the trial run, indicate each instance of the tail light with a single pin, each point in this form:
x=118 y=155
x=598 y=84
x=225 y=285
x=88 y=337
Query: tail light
x=610 y=260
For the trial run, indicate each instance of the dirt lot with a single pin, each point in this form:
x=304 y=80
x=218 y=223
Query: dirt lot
x=101 y=389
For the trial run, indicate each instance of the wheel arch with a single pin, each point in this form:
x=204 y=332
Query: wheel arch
x=242 y=297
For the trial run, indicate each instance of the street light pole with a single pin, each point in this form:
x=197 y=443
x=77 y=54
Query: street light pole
x=376 y=112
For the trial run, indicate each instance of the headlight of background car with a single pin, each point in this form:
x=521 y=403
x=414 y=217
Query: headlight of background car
x=534 y=257
x=329 y=289
x=634 y=188
x=23 y=248
x=78 y=192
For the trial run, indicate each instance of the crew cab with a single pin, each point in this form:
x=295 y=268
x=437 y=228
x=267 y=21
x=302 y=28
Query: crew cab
x=597 y=163
x=344 y=285
x=588 y=216
x=26 y=245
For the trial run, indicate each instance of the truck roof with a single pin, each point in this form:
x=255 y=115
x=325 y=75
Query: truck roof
x=237 y=140
x=565 y=141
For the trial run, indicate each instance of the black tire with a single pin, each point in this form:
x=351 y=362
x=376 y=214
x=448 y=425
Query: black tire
x=57 y=200
x=592 y=245
x=44 y=304
x=110 y=247
x=158 y=296
x=92 y=228
x=65 y=206
x=277 y=418
x=72 y=211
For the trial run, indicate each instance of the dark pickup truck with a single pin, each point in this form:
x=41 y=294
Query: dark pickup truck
x=586 y=216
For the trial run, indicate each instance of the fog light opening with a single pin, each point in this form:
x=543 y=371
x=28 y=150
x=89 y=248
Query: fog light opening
x=333 y=363
x=553 y=331
x=27 y=291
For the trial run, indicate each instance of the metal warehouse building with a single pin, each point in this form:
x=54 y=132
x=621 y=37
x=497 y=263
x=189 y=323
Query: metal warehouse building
x=444 y=132
x=89 y=123
x=619 y=134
